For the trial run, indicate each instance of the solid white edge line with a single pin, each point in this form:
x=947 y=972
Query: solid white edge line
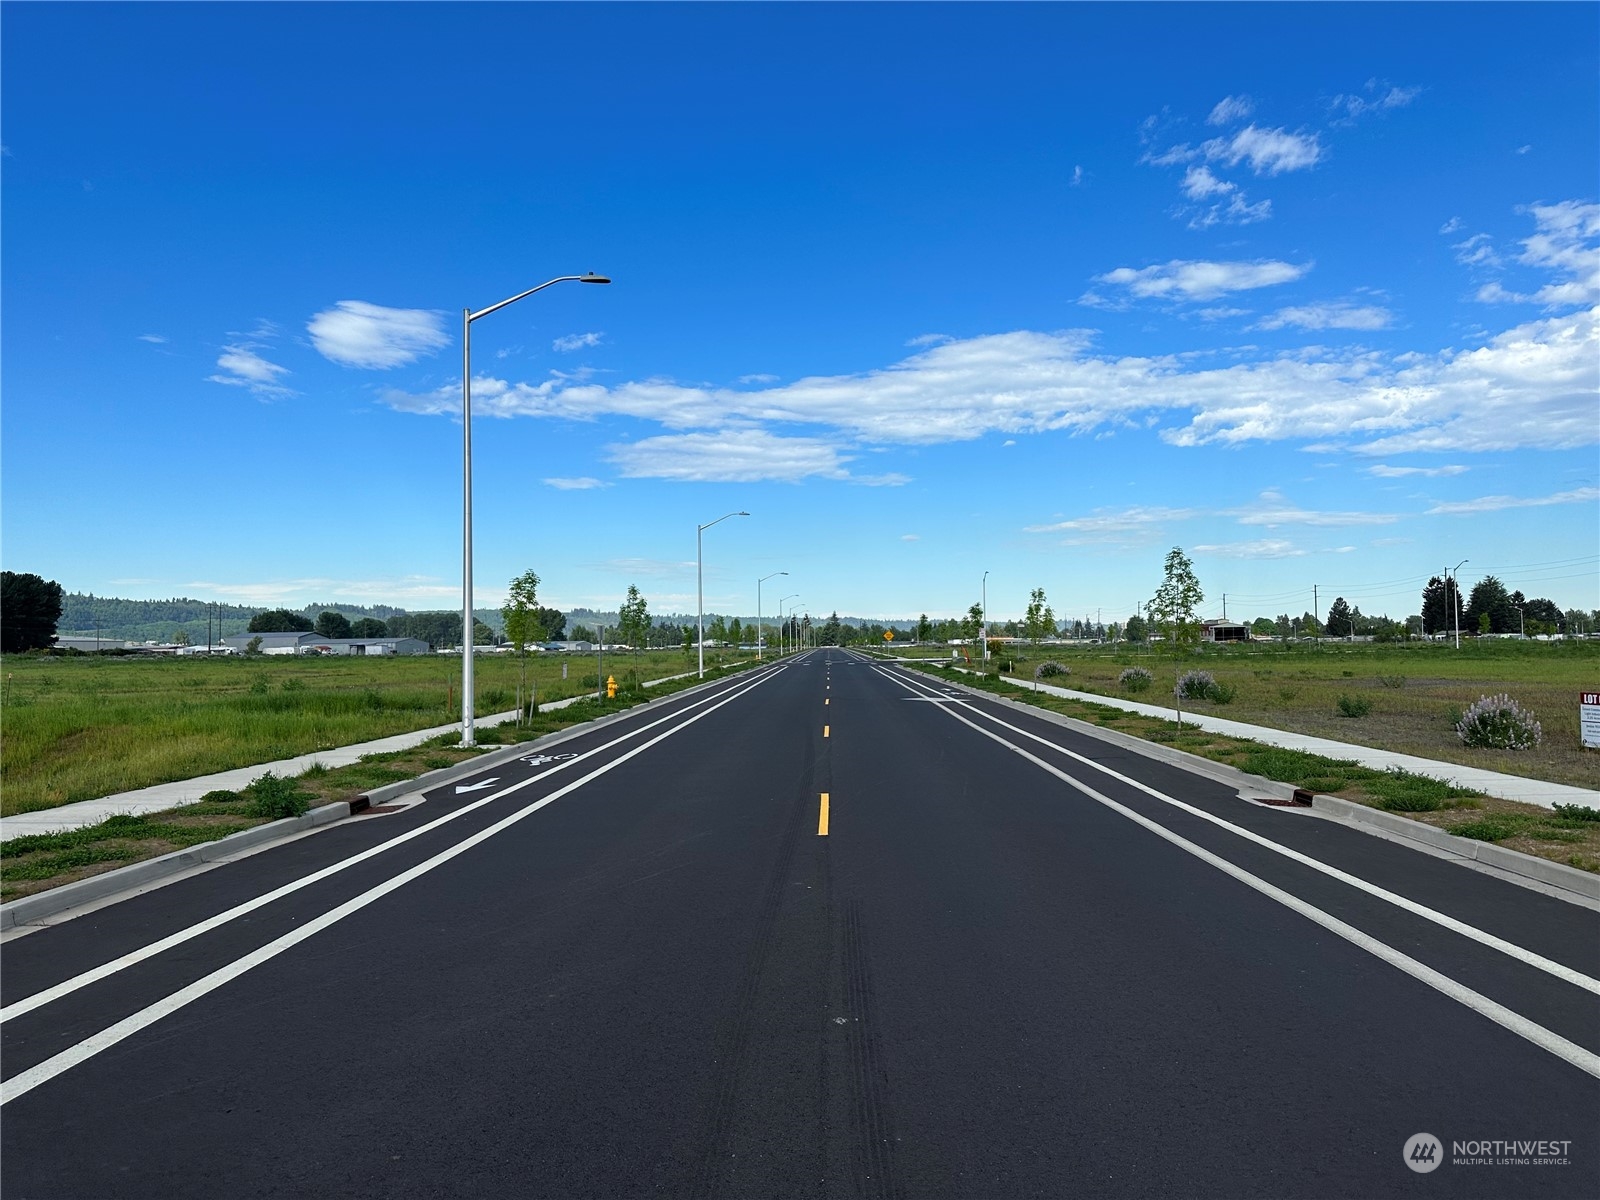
x=67 y=986
x=25 y=1081
x=1545 y=1039
x=1511 y=949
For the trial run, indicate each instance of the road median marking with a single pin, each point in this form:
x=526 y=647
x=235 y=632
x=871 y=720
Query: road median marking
x=822 y=817
x=824 y=731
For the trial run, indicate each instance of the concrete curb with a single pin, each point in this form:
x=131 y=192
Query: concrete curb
x=136 y=876
x=1517 y=863
x=37 y=907
x=1358 y=816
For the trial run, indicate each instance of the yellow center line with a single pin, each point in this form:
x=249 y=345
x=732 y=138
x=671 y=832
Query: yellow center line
x=826 y=701
x=824 y=731
x=822 y=817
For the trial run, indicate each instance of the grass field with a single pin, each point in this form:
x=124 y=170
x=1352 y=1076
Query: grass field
x=78 y=728
x=1414 y=692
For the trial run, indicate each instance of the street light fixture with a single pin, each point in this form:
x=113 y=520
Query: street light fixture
x=1455 y=595
x=467 y=318
x=700 y=585
x=759 y=635
x=783 y=633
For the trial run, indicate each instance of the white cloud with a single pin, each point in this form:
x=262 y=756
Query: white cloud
x=1199 y=183
x=1236 y=211
x=580 y=484
x=1186 y=280
x=1272 y=509
x=1383 y=471
x=354 y=333
x=1230 y=109
x=910 y=537
x=1009 y=442
x=1483 y=504
x=1453 y=225
x=576 y=341
x=929 y=339
x=729 y=456
x=1265 y=548
x=1523 y=149
x=758 y=379
x=1267 y=151
x=243 y=367
x=1380 y=98
x=154 y=339
x=1565 y=244
x=1077 y=177
x=1329 y=316
x=1138 y=525
x=427 y=589
x=1221 y=313
x=1477 y=251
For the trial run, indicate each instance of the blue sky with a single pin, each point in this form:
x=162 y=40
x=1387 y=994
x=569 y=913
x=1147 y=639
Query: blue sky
x=1310 y=291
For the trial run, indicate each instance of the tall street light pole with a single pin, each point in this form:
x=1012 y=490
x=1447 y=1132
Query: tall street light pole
x=1455 y=596
x=467 y=318
x=759 y=582
x=783 y=632
x=700 y=585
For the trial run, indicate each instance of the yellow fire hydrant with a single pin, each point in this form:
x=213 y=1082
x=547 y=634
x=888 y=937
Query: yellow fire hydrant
x=611 y=687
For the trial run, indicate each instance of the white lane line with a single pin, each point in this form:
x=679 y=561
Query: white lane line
x=26 y=1081
x=95 y=974
x=1527 y=957
x=1545 y=1039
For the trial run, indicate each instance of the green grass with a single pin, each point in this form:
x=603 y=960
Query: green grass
x=78 y=728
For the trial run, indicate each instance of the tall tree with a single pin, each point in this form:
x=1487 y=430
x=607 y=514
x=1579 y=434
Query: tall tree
x=30 y=607
x=735 y=631
x=1175 y=604
x=924 y=628
x=1490 y=599
x=1341 y=622
x=633 y=619
x=332 y=625
x=368 y=627
x=1440 y=602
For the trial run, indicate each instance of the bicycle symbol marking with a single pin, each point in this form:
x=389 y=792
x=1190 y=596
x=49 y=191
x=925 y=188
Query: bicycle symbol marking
x=535 y=760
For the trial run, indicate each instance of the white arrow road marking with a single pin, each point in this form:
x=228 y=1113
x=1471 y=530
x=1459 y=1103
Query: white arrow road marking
x=477 y=787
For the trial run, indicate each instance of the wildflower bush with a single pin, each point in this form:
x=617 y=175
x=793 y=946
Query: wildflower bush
x=1135 y=679
x=1499 y=723
x=1195 y=685
x=1046 y=670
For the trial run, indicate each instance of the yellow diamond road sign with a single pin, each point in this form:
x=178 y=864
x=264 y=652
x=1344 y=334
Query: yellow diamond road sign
x=888 y=635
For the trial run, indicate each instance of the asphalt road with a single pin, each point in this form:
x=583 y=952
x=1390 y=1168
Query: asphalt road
x=1001 y=959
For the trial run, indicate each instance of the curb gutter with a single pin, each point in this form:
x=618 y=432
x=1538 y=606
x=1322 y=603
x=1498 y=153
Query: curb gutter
x=1375 y=821
x=33 y=908
x=136 y=876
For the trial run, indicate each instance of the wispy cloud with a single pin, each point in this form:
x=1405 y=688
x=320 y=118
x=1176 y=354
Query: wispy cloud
x=1139 y=525
x=1565 y=245
x=929 y=339
x=1384 y=471
x=391 y=590
x=1339 y=315
x=1483 y=504
x=1199 y=280
x=354 y=333
x=1453 y=225
x=243 y=367
x=1264 y=548
x=1230 y=109
x=1377 y=98
x=1272 y=509
x=910 y=537
x=582 y=483
x=749 y=379
x=729 y=456
x=576 y=341
x=1077 y=177
x=154 y=339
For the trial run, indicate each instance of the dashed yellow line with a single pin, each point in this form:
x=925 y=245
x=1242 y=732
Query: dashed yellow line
x=824 y=731
x=822 y=817
x=826 y=701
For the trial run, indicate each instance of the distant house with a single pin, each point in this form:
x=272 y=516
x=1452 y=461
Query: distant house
x=315 y=643
x=1224 y=631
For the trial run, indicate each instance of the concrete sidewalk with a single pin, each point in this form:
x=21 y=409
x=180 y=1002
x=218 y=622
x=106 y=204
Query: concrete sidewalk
x=161 y=796
x=1487 y=783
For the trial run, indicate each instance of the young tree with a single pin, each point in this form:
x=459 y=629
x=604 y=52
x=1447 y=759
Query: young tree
x=1341 y=622
x=29 y=610
x=1038 y=621
x=972 y=623
x=924 y=628
x=521 y=615
x=1175 y=603
x=1135 y=629
x=718 y=631
x=633 y=619
x=332 y=625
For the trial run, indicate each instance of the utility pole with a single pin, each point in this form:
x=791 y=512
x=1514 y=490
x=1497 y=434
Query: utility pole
x=1316 y=609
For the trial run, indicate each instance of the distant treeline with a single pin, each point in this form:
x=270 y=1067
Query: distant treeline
x=85 y=615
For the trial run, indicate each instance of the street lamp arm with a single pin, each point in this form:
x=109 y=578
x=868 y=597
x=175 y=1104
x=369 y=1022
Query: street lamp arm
x=484 y=312
x=722 y=518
